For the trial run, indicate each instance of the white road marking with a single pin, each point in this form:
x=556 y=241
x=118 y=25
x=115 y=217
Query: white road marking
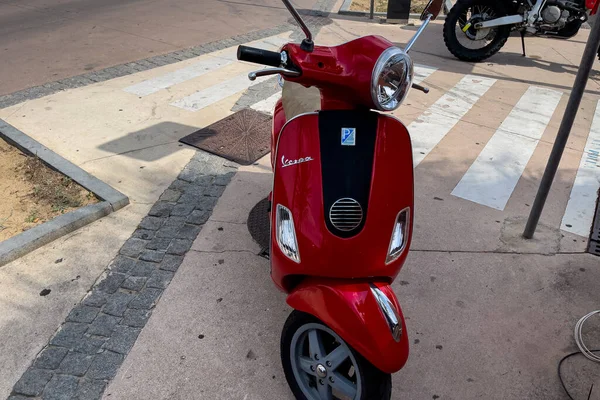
x=422 y=72
x=212 y=94
x=493 y=176
x=158 y=83
x=267 y=105
x=580 y=210
x=200 y=68
x=431 y=127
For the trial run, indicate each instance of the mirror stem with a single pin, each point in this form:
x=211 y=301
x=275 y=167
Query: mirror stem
x=299 y=20
x=412 y=41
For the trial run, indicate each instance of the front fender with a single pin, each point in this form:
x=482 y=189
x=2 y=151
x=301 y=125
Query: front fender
x=351 y=310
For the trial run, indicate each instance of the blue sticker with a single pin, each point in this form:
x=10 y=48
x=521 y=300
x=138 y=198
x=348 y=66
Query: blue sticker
x=348 y=136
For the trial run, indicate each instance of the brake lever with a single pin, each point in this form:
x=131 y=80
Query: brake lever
x=272 y=71
x=421 y=88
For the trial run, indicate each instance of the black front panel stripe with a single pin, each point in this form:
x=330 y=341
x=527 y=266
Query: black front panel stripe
x=346 y=170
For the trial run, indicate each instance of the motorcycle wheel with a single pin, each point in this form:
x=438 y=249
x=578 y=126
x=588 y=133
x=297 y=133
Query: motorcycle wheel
x=319 y=365
x=474 y=44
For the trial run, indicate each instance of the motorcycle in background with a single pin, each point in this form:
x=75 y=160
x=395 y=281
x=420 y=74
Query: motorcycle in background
x=477 y=29
x=341 y=212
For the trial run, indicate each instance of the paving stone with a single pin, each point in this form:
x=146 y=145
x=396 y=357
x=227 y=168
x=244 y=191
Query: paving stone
x=179 y=185
x=146 y=299
x=105 y=365
x=90 y=389
x=171 y=262
x=152 y=255
x=159 y=243
x=136 y=318
x=103 y=325
x=183 y=209
x=95 y=299
x=151 y=223
x=189 y=232
x=122 y=264
x=145 y=234
x=204 y=180
x=122 y=339
x=111 y=283
x=61 y=387
x=179 y=246
x=206 y=203
x=214 y=191
x=50 y=357
x=170 y=195
x=187 y=175
x=161 y=209
x=75 y=364
x=171 y=228
x=17 y=396
x=143 y=268
x=135 y=283
x=69 y=334
x=88 y=345
x=32 y=382
x=198 y=217
x=223 y=180
x=117 y=304
x=83 y=314
x=160 y=279
x=133 y=247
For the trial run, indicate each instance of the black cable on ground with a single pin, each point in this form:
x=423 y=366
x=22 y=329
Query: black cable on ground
x=560 y=376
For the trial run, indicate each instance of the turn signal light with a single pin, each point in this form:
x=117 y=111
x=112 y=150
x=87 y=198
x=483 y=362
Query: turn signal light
x=399 y=236
x=286 y=233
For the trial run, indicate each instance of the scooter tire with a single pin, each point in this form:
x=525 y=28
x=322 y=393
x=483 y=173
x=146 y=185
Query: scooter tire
x=375 y=384
x=473 y=55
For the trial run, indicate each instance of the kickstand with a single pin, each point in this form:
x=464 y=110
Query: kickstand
x=523 y=42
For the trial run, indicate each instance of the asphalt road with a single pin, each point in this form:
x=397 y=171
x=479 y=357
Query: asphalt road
x=46 y=40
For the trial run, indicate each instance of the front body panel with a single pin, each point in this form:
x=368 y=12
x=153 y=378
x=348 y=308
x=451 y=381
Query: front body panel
x=299 y=186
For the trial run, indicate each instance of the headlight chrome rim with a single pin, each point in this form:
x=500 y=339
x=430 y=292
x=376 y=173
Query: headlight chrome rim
x=400 y=94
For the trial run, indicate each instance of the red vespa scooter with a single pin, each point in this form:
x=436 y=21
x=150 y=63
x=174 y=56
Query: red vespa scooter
x=342 y=211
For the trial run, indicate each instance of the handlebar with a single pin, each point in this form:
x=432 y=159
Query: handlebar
x=260 y=56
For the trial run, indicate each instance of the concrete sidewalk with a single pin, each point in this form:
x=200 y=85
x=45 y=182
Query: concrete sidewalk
x=501 y=309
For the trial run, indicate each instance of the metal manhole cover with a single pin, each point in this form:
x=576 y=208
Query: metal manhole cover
x=243 y=137
x=259 y=225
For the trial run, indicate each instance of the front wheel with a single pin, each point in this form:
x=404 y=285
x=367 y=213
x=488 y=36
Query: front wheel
x=319 y=365
x=468 y=43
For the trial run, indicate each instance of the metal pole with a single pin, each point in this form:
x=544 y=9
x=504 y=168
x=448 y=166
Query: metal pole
x=372 y=9
x=587 y=60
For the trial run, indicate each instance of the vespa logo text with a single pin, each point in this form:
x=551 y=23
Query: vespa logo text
x=289 y=163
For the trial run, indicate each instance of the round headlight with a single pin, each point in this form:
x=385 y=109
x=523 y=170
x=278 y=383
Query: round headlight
x=392 y=77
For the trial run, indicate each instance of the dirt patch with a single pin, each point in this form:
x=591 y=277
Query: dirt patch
x=416 y=6
x=32 y=193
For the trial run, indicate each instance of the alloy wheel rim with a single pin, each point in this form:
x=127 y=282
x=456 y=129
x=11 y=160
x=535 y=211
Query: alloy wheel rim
x=323 y=365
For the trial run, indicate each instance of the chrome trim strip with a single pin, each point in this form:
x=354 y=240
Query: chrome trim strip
x=389 y=312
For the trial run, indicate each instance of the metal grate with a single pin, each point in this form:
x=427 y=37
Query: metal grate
x=346 y=214
x=594 y=247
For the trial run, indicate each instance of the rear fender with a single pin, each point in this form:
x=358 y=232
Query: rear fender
x=353 y=312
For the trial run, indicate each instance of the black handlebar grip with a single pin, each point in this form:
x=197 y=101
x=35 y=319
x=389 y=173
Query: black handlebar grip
x=259 y=56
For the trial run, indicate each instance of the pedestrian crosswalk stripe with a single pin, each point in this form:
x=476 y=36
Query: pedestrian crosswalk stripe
x=267 y=105
x=422 y=72
x=211 y=63
x=431 y=127
x=493 y=176
x=212 y=94
x=195 y=70
x=579 y=214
